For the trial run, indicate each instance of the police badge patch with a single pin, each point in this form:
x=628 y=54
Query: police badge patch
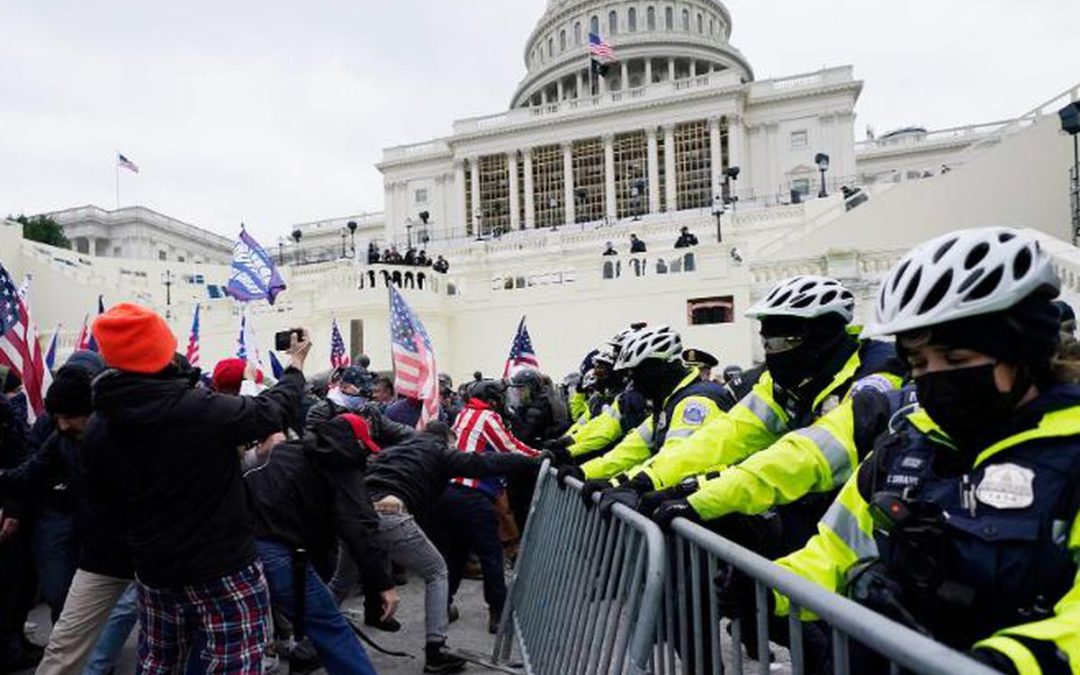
x=1007 y=486
x=694 y=413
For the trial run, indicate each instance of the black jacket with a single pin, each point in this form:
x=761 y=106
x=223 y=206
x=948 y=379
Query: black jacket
x=311 y=492
x=170 y=451
x=55 y=459
x=13 y=433
x=384 y=431
x=99 y=513
x=418 y=471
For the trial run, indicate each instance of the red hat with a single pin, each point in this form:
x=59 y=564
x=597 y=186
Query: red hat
x=361 y=431
x=134 y=339
x=228 y=375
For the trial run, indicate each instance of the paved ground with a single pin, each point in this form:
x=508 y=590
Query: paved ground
x=468 y=633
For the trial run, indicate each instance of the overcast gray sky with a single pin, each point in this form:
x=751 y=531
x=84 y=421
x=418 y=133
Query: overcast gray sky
x=274 y=111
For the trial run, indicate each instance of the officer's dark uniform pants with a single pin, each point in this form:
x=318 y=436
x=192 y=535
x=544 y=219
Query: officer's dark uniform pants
x=466 y=522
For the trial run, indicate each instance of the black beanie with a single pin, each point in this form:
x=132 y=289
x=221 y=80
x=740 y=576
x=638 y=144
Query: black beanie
x=70 y=393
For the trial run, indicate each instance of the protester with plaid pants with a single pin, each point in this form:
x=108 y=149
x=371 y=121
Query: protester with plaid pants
x=169 y=450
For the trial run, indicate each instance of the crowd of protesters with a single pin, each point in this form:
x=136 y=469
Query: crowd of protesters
x=228 y=517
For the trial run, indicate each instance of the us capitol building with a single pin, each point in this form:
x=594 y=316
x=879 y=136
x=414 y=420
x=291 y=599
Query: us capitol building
x=768 y=175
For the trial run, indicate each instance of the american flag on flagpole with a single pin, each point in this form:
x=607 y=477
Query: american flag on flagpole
x=338 y=356
x=522 y=354
x=600 y=49
x=125 y=163
x=193 y=340
x=20 y=348
x=415 y=373
x=86 y=341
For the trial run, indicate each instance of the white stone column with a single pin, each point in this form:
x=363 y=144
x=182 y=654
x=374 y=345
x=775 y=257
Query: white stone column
x=670 y=186
x=474 y=174
x=735 y=144
x=693 y=68
x=773 y=178
x=580 y=85
x=609 y=176
x=568 y=182
x=530 y=196
x=461 y=216
x=624 y=84
x=392 y=216
x=559 y=89
x=515 y=193
x=715 y=158
x=654 y=170
x=648 y=71
x=671 y=69
x=543 y=96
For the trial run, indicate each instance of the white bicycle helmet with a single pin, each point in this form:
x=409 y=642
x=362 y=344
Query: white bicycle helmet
x=618 y=341
x=656 y=342
x=605 y=355
x=959 y=275
x=806 y=297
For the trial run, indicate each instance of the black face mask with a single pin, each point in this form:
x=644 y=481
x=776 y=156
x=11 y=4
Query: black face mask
x=966 y=403
x=792 y=367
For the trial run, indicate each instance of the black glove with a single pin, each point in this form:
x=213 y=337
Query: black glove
x=672 y=509
x=557 y=449
x=735 y=594
x=651 y=501
x=624 y=494
x=992 y=658
x=591 y=487
x=568 y=471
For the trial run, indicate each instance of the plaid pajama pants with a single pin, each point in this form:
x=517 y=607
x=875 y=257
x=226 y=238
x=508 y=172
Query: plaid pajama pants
x=225 y=620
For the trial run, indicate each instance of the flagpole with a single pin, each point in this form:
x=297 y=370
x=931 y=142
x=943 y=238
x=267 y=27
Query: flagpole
x=116 y=161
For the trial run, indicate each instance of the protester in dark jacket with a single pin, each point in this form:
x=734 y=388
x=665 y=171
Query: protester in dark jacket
x=169 y=450
x=104 y=566
x=309 y=493
x=406 y=481
x=351 y=392
x=17 y=579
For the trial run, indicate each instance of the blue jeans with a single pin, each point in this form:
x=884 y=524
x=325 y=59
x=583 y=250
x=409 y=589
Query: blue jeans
x=55 y=549
x=333 y=638
x=110 y=644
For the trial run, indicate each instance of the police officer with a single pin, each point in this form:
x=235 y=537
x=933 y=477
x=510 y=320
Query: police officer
x=681 y=405
x=702 y=360
x=814 y=361
x=964 y=521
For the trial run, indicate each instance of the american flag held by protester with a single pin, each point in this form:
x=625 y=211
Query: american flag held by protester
x=193 y=340
x=339 y=358
x=20 y=348
x=415 y=373
x=522 y=354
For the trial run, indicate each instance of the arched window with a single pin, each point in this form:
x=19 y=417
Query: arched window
x=700 y=24
x=631 y=20
x=669 y=18
x=650 y=18
x=562 y=40
x=712 y=27
x=594 y=25
x=551 y=47
x=613 y=22
x=686 y=20
x=577 y=32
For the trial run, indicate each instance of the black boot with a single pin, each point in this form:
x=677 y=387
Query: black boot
x=494 y=618
x=438 y=659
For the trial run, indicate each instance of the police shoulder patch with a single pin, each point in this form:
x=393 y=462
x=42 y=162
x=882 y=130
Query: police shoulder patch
x=694 y=413
x=877 y=382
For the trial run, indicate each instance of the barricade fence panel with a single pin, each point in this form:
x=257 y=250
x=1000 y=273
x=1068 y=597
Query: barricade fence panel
x=611 y=595
x=587 y=589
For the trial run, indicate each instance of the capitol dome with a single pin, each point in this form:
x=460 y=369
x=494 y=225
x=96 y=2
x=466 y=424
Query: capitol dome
x=654 y=41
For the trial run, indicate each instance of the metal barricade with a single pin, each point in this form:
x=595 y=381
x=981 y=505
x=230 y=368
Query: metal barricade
x=692 y=638
x=587 y=592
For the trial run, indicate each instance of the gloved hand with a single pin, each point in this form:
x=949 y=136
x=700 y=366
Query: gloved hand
x=624 y=494
x=651 y=501
x=992 y=658
x=557 y=448
x=735 y=593
x=591 y=487
x=568 y=471
x=672 y=509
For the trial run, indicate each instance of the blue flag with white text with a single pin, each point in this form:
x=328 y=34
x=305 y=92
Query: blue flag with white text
x=254 y=276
